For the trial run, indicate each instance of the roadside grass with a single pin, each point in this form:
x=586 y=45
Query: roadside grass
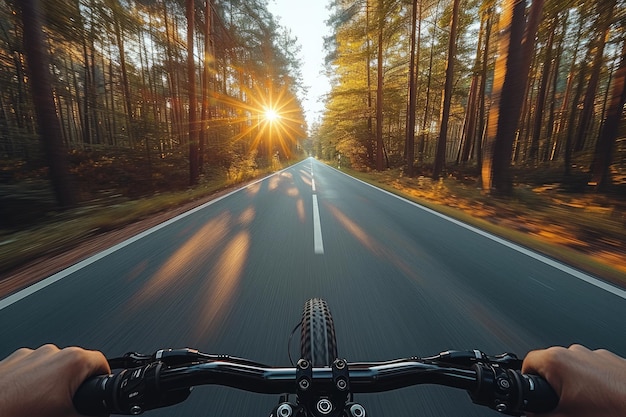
x=583 y=231
x=586 y=232
x=58 y=232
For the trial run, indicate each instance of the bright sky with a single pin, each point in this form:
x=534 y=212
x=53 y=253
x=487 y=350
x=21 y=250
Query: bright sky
x=306 y=20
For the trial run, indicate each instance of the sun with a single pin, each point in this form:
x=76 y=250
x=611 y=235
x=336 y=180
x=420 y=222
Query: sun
x=270 y=120
x=271 y=115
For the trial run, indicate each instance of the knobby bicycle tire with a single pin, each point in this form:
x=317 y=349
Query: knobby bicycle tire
x=317 y=343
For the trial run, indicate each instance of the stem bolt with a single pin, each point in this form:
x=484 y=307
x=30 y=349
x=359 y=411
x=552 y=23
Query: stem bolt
x=304 y=384
x=324 y=406
x=357 y=410
x=284 y=410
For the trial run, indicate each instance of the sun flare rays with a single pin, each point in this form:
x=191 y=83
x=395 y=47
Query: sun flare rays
x=265 y=119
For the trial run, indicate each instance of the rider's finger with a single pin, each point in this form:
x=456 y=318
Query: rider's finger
x=82 y=364
x=16 y=356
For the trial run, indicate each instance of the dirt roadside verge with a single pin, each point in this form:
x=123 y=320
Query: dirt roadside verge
x=49 y=264
x=66 y=256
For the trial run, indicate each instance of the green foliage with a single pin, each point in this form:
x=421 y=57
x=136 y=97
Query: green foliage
x=349 y=120
x=121 y=88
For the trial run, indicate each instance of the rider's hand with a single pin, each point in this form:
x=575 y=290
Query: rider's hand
x=42 y=382
x=588 y=383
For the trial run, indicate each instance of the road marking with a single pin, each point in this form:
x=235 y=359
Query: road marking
x=15 y=297
x=537 y=256
x=318 y=243
x=313 y=184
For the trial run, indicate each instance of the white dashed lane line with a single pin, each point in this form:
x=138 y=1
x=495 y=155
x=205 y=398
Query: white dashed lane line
x=318 y=243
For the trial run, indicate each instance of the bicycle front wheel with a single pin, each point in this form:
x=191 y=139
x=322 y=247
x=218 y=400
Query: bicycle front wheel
x=317 y=343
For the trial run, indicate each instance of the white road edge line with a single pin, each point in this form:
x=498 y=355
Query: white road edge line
x=318 y=243
x=15 y=297
x=542 y=258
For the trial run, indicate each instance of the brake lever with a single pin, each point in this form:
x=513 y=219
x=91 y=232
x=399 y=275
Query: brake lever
x=506 y=360
x=470 y=357
x=169 y=357
x=130 y=360
x=178 y=357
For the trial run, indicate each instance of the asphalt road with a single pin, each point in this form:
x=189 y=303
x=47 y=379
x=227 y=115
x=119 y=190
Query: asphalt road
x=231 y=277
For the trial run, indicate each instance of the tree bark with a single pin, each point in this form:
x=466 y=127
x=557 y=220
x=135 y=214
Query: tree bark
x=191 y=81
x=554 y=80
x=422 y=138
x=440 y=156
x=410 y=125
x=125 y=82
x=469 y=125
x=606 y=142
x=483 y=86
x=379 y=90
x=541 y=97
x=41 y=84
x=209 y=58
x=511 y=76
x=604 y=26
x=369 y=145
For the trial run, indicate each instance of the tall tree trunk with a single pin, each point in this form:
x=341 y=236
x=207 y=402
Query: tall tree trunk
x=114 y=125
x=511 y=76
x=145 y=102
x=191 y=81
x=88 y=82
x=469 y=125
x=125 y=82
x=368 y=146
x=604 y=25
x=541 y=96
x=571 y=121
x=41 y=84
x=562 y=133
x=422 y=138
x=410 y=124
x=209 y=58
x=379 y=91
x=554 y=80
x=483 y=87
x=440 y=156
x=606 y=142
x=172 y=80
x=96 y=114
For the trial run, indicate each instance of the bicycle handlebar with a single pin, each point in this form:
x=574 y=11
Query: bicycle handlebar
x=165 y=378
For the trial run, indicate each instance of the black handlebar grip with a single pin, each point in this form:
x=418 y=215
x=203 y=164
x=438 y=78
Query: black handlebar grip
x=93 y=397
x=511 y=392
x=537 y=394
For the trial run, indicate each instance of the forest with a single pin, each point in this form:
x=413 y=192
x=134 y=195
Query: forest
x=108 y=101
x=161 y=91
x=141 y=96
x=500 y=89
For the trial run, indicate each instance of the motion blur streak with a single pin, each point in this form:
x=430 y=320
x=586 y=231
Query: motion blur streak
x=306 y=177
x=300 y=208
x=177 y=266
x=356 y=231
x=273 y=184
x=222 y=282
x=247 y=216
x=445 y=290
x=376 y=247
x=254 y=188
